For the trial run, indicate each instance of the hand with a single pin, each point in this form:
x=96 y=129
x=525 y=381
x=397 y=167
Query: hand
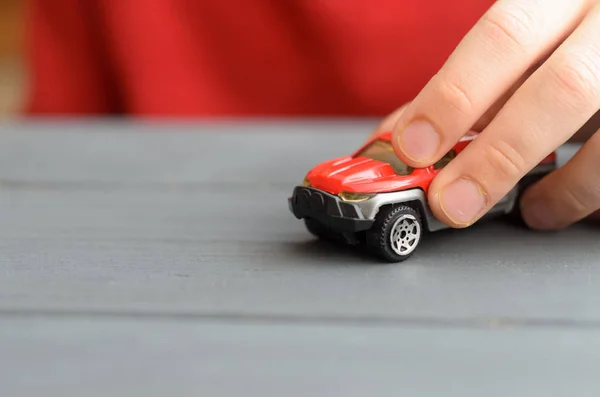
x=527 y=76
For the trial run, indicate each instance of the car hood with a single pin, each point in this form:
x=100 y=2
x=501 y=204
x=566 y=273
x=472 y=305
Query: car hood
x=355 y=174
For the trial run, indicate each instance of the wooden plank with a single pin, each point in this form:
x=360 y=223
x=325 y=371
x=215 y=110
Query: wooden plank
x=74 y=356
x=110 y=219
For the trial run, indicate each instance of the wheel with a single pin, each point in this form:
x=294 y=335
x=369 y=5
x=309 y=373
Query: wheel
x=396 y=233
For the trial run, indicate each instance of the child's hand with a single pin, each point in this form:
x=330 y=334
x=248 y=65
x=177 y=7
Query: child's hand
x=528 y=77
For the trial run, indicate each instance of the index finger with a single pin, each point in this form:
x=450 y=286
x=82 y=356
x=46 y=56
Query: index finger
x=509 y=39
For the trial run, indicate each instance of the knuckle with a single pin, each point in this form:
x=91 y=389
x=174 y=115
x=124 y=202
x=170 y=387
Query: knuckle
x=511 y=26
x=504 y=161
x=577 y=78
x=453 y=93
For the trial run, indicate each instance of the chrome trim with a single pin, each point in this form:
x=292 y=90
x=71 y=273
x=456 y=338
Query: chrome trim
x=371 y=207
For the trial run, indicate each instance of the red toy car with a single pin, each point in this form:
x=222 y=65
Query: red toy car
x=374 y=198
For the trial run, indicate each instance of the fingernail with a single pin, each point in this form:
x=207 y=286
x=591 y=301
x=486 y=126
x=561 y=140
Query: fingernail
x=462 y=201
x=537 y=215
x=419 y=141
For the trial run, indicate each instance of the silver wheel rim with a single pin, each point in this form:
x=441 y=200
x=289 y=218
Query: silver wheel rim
x=405 y=235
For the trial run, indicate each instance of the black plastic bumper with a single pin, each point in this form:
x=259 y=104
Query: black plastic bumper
x=328 y=209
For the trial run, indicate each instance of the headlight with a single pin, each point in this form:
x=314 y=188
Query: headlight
x=306 y=182
x=355 y=197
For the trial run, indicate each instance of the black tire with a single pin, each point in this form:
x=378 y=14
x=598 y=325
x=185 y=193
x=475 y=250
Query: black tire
x=378 y=238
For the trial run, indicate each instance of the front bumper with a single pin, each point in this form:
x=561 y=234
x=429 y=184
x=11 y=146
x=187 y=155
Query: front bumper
x=307 y=202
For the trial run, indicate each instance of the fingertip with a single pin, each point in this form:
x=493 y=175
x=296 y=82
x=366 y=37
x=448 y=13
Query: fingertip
x=448 y=210
x=418 y=141
x=537 y=210
x=537 y=215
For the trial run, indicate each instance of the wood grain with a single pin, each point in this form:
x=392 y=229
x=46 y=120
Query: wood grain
x=138 y=259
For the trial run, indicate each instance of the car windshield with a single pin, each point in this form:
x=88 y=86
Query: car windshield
x=382 y=150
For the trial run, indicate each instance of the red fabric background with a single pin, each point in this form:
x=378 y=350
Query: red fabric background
x=242 y=57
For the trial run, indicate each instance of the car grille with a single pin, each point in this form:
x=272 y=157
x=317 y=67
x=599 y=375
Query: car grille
x=310 y=201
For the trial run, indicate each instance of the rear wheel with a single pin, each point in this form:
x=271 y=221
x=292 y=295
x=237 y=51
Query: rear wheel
x=396 y=233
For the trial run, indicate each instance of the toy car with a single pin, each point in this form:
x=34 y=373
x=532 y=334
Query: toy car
x=372 y=197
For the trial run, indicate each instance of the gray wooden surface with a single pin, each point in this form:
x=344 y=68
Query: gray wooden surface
x=154 y=259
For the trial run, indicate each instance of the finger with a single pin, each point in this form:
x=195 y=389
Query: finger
x=493 y=110
x=554 y=103
x=567 y=195
x=509 y=39
x=391 y=120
